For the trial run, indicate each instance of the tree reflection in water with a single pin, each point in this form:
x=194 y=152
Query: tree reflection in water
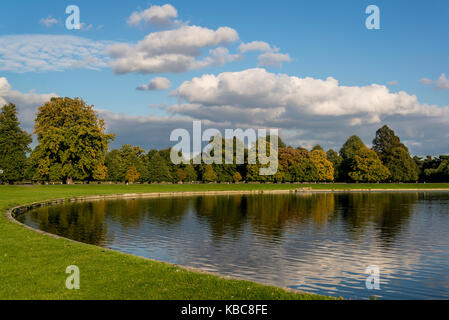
x=267 y=215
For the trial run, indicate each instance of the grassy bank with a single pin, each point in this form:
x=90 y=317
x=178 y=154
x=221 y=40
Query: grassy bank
x=32 y=266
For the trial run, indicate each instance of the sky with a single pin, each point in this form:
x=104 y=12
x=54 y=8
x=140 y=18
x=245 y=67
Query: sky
x=309 y=68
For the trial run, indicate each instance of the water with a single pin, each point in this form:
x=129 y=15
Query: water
x=320 y=243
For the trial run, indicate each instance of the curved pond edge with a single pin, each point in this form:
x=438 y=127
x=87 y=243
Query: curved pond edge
x=12 y=213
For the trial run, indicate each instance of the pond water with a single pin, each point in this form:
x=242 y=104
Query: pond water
x=319 y=242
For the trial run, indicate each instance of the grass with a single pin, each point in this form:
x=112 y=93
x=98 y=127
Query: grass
x=32 y=266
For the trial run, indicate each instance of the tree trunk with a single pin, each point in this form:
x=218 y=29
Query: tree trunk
x=69 y=180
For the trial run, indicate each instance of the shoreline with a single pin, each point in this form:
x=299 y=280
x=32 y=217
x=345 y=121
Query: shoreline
x=12 y=213
x=11 y=216
x=17 y=242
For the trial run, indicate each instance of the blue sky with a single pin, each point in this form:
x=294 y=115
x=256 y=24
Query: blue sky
x=321 y=38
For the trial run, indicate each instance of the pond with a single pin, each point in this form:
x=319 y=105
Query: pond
x=318 y=242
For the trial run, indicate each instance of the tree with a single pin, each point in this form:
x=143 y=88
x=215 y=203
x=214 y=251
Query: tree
x=336 y=160
x=72 y=142
x=366 y=167
x=440 y=174
x=395 y=156
x=115 y=164
x=351 y=147
x=13 y=145
x=132 y=174
x=209 y=174
x=347 y=152
x=180 y=175
x=317 y=147
x=325 y=169
x=190 y=172
x=237 y=177
x=158 y=169
x=119 y=161
x=289 y=157
x=385 y=141
x=304 y=171
x=402 y=167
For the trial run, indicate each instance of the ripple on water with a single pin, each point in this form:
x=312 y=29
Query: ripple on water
x=320 y=243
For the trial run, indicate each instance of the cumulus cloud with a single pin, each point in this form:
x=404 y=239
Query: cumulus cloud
x=269 y=57
x=255 y=46
x=309 y=110
x=43 y=53
x=306 y=110
x=441 y=84
x=49 y=21
x=149 y=131
x=161 y=16
x=158 y=83
x=273 y=59
x=172 y=50
x=26 y=103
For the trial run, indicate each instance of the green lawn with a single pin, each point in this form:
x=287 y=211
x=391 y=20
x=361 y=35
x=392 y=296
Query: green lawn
x=32 y=266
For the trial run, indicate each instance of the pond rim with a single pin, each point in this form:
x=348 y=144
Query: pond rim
x=12 y=213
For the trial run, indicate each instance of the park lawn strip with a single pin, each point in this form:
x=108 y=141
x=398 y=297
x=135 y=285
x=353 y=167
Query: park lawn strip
x=32 y=266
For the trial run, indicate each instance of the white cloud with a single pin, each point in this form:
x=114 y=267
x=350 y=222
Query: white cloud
x=255 y=46
x=269 y=57
x=308 y=110
x=172 y=50
x=26 y=103
x=273 y=59
x=42 y=53
x=442 y=83
x=161 y=16
x=85 y=26
x=257 y=88
x=49 y=21
x=158 y=83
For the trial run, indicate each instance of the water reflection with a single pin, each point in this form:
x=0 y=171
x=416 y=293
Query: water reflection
x=319 y=242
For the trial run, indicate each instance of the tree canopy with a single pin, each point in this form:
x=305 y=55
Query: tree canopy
x=395 y=156
x=72 y=142
x=14 y=145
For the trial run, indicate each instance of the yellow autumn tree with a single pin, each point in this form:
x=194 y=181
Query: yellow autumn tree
x=325 y=169
x=132 y=174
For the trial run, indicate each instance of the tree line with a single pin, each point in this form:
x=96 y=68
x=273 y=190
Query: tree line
x=72 y=146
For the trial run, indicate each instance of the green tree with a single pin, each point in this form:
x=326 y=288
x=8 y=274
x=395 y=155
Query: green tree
x=366 y=167
x=72 y=142
x=191 y=175
x=116 y=166
x=158 y=169
x=395 y=156
x=119 y=161
x=347 y=152
x=304 y=171
x=13 y=145
x=351 y=147
x=317 y=147
x=336 y=160
x=402 y=167
x=385 y=141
